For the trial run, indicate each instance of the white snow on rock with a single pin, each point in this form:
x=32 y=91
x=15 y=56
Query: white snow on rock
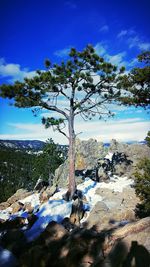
x=109 y=156
x=33 y=199
x=117 y=184
x=88 y=188
x=56 y=209
x=59 y=195
x=5 y=214
x=53 y=210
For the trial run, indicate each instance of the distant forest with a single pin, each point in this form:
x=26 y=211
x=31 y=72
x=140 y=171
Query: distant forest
x=21 y=168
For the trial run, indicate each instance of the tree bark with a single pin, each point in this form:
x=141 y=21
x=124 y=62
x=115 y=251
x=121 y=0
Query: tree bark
x=72 y=183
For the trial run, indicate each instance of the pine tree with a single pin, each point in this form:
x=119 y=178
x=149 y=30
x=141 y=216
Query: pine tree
x=137 y=83
x=142 y=187
x=85 y=82
x=48 y=161
x=147 y=139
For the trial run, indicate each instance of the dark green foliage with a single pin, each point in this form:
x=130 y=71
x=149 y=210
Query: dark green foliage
x=142 y=187
x=65 y=80
x=147 y=139
x=15 y=172
x=19 y=169
x=137 y=83
x=47 y=162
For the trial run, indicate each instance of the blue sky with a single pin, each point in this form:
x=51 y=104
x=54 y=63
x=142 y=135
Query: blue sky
x=34 y=30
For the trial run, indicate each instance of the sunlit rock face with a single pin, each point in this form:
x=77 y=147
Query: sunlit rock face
x=134 y=151
x=87 y=154
x=91 y=155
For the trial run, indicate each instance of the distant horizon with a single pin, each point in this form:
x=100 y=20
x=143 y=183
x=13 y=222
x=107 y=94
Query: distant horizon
x=108 y=142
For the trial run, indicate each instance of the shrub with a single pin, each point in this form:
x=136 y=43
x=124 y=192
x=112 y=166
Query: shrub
x=142 y=187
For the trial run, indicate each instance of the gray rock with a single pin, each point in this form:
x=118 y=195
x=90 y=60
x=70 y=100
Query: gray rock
x=87 y=154
x=102 y=174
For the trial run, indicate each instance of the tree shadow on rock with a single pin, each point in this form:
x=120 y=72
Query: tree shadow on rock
x=137 y=254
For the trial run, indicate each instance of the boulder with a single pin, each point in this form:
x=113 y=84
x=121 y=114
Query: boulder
x=121 y=169
x=4 y=205
x=61 y=175
x=20 y=194
x=85 y=248
x=53 y=232
x=47 y=193
x=116 y=208
x=134 y=152
x=35 y=256
x=103 y=175
x=77 y=212
x=16 y=223
x=40 y=184
x=87 y=154
x=32 y=218
x=128 y=243
x=16 y=207
x=28 y=207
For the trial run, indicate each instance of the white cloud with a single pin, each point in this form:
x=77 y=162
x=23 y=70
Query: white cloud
x=123 y=130
x=104 y=28
x=31 y=131
x=144 y=46
x=133 y=39
x=133 y=62
x=100 y=49
x=133 y=129
x=136 y=42
x=117 y=59
x=14 y=71
x=62 y=52
x=122 y=33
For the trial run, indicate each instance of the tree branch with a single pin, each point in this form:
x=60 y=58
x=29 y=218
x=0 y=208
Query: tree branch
x=62 y=132
x=54 y=108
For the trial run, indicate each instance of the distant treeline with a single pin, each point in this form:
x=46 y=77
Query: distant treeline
x=21 y=169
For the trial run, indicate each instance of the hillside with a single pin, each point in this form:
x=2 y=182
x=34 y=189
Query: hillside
x=98 y=228
x=23 y=162
x=22 y=144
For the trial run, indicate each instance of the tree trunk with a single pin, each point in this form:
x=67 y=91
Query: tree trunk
x=72 y=183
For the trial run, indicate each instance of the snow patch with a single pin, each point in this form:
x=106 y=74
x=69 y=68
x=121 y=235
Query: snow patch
x=5 y=214
x=109 y=156
x=53 y=210
x=117 y=184
x=32 y=199
x=56 y=209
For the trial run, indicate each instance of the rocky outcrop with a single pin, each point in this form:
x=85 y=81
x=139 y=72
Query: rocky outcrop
x=115 y=208
x=47 y=193
x=90 y=159
x=4 y=205
x=20 y=194
x=110 y=237
x=87 y=247
x=134 y=152
x=87 y=154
